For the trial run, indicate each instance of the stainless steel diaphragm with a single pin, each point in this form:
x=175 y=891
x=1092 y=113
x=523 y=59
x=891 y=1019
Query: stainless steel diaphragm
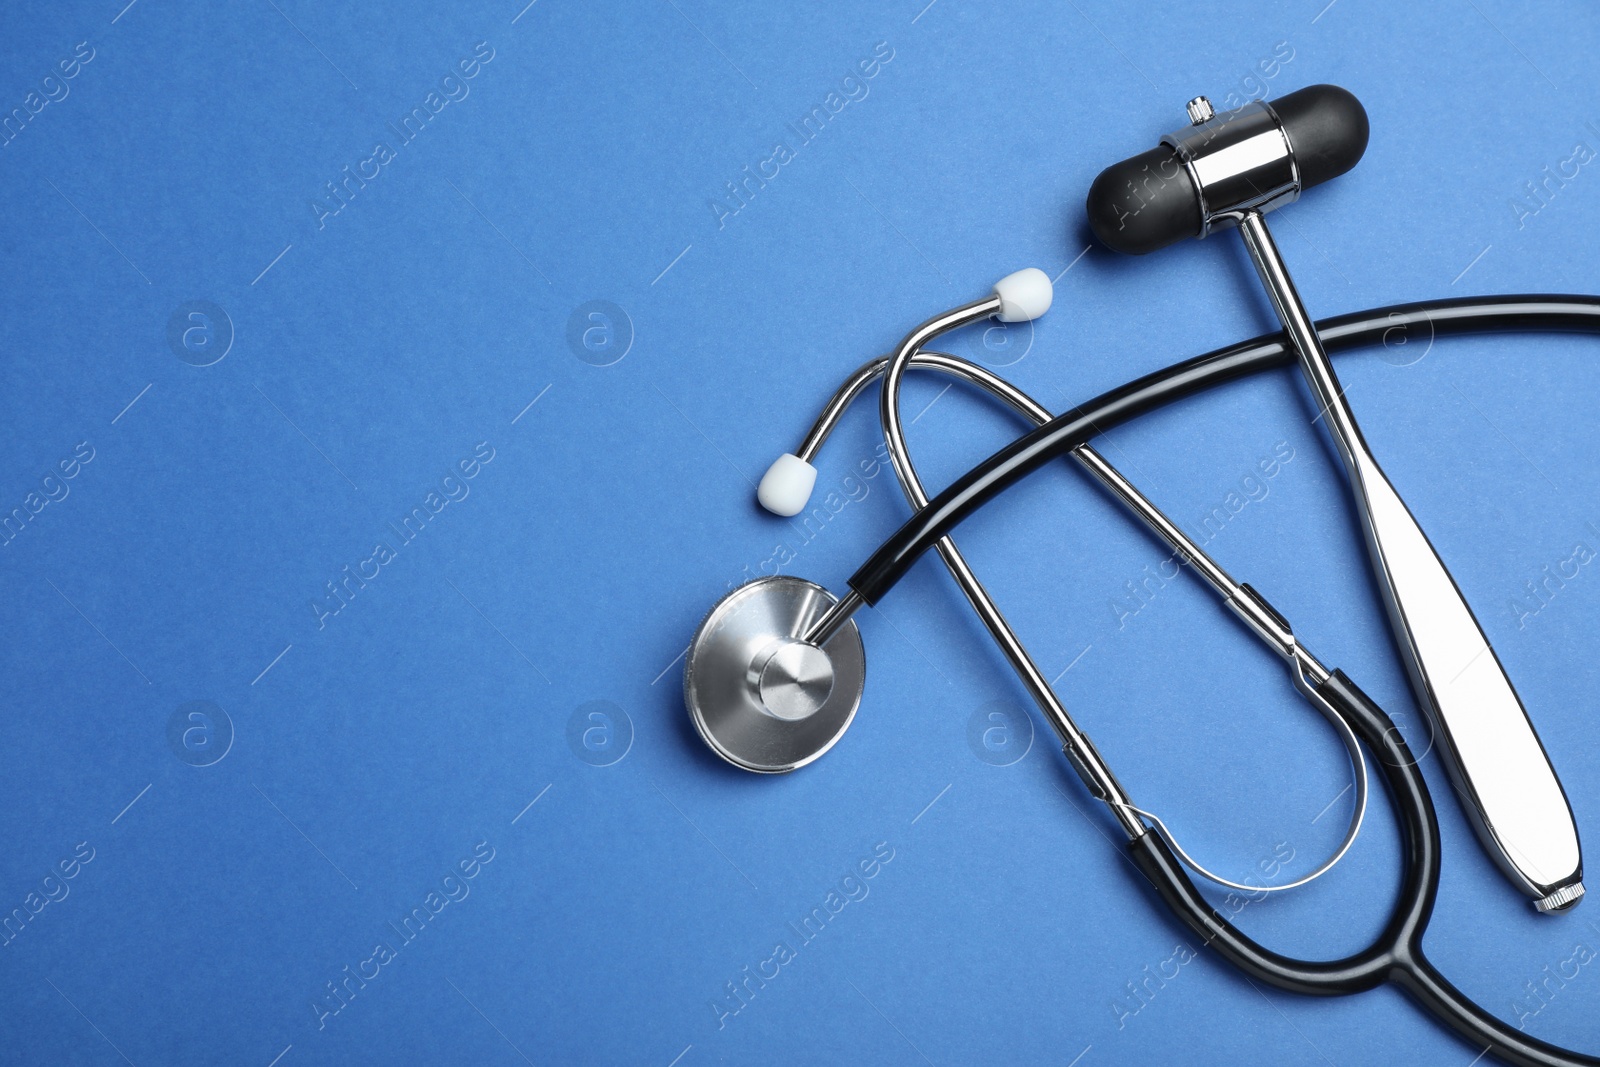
x=763 y=698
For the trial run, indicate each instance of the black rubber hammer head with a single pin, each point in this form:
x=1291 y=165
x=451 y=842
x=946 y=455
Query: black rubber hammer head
x=1256 y=157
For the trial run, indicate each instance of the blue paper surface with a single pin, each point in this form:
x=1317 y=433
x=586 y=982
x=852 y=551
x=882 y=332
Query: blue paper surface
x=384 y=391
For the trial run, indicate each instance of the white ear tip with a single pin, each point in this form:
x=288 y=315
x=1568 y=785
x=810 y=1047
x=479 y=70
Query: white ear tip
x=1024 y=295
x=787 y=485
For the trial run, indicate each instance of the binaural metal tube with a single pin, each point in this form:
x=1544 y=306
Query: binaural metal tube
x=1080 y=751
x=1245 y=601
x=839 y=403
x=1085 y=758
x=888 y=408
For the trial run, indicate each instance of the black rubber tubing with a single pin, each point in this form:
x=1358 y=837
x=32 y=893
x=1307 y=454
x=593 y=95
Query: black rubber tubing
x=1403 y=323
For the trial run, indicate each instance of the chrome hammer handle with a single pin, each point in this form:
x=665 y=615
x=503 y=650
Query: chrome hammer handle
x=1491 y=750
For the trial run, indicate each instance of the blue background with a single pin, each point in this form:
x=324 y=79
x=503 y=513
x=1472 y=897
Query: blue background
x=374 y=749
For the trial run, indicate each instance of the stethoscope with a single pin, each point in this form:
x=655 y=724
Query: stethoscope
x=775 y=672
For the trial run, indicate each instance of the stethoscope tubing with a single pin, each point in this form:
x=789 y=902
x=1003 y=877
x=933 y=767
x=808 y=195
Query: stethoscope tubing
x=1396 y=954
x=1468 y=315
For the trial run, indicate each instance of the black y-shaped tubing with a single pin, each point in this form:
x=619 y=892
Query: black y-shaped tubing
x=1396 y=954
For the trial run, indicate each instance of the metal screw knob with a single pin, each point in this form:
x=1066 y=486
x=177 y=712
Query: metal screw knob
x=1200 y=111
x=1561 y=899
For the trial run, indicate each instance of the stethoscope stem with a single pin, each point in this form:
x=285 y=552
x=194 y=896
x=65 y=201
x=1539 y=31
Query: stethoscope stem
x=833 y=620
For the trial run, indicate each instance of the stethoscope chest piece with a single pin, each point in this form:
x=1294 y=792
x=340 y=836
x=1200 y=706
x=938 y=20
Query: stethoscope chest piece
x=762 y=697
